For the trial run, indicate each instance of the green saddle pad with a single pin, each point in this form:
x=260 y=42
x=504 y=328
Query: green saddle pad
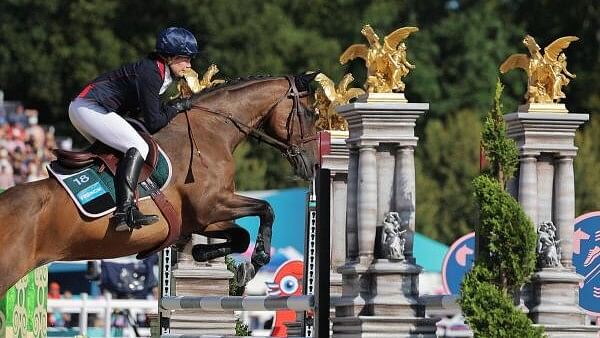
x=94 y=192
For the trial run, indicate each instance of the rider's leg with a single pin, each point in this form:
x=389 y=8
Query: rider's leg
x=127 y=215
x=96 y=123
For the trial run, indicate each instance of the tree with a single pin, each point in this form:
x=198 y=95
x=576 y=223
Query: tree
x=506 y=242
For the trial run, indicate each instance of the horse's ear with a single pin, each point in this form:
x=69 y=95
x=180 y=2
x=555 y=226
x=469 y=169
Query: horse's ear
x=304 y=79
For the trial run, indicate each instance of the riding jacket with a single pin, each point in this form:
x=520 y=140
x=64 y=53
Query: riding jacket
x=135 y=87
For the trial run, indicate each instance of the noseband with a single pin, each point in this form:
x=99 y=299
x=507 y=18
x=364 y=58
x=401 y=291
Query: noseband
x=288 y=149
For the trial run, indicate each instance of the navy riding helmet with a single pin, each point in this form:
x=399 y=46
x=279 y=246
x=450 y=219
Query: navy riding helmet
x=176 y=41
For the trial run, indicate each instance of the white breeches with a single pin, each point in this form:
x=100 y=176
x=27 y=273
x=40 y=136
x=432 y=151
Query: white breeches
x=94 y=122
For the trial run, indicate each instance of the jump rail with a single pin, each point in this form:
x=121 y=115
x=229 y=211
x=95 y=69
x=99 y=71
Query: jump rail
x=319 y=279
x=239 y=303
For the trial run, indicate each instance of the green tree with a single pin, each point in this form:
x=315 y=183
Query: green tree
x=506 y=242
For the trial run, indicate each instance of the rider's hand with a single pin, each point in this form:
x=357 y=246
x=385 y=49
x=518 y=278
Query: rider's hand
x=182 y=104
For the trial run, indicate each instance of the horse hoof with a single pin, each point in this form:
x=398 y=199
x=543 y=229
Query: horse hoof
x=244 y=273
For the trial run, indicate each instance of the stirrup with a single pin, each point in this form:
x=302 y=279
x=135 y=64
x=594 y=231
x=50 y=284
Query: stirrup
x=132 y=219
x=136 y=220
x=119 y=219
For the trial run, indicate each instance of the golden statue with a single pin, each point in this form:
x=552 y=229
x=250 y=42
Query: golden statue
x=189 y=83
x=387 y=63
x=328 y=97
x=547 y=74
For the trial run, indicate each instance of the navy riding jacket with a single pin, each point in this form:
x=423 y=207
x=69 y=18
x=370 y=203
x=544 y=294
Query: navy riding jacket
x=133 y=87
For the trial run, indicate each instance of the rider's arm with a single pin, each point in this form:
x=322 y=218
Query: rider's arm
x=149 y=81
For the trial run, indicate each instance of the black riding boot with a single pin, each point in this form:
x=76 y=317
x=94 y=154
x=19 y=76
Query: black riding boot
x=127 y=216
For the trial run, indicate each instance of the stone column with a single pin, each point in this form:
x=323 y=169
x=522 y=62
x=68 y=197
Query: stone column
x=367 y=203
x=351 y=206
x=546 y=192
x=545 y=188
x=528 y=186
x=564 y=204
x=191 y=278
x=406 y=192
x=337 y=163
x=379 y=295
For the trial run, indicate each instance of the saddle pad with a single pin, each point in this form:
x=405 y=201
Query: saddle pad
x=94 y=192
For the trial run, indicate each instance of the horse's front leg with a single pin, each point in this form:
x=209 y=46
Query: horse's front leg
x=234 y=206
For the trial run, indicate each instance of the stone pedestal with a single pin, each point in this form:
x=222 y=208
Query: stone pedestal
x=545 y=187
x=379 y=295
x=201 y=279
x=553 y=291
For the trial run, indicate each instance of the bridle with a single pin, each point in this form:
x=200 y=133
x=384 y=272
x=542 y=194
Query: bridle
x=288 y=149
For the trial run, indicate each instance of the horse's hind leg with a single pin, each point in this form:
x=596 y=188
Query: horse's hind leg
x=237 y=241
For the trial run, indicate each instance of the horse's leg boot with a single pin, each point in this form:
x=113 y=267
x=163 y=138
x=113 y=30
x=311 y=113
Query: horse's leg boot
x=127 y=216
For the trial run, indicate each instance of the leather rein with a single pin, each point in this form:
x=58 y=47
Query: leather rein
x=288 y=149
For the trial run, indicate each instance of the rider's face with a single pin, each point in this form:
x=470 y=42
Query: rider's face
x=179 y=64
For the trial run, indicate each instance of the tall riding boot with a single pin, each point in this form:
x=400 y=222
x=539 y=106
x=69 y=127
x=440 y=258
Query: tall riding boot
x=127 y=216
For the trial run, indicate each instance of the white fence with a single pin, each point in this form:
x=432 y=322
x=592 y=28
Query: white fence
x=104 y=306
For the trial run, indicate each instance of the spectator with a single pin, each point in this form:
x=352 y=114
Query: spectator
x=6 y=170
x=25 y=146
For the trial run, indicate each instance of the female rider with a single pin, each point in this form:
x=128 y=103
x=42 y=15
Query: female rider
x=97 y=113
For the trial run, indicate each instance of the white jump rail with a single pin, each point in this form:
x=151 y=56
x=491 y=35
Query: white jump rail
x=239 y=303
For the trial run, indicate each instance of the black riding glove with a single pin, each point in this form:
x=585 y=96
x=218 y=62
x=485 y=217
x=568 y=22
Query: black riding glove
x=182 y=104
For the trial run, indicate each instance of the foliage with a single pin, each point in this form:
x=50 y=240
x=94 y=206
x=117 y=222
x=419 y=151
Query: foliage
x=499 y=150
x=490 y=311
x=507 y=234
x=506 y=242
x=234 y=288
x=241 y=328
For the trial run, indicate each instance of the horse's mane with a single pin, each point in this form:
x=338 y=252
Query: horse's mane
x=233 y=82
x=301 y=80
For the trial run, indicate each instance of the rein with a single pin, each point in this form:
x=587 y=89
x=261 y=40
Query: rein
x=289 y=149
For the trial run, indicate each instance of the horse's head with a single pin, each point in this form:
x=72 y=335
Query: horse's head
x=292 y=121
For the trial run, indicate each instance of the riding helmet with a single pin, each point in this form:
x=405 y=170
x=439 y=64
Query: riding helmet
x=176 y=41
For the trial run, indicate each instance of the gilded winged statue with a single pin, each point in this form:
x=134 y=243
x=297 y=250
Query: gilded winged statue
x=190 y=84
x=387 y=63
x=327 y=97
x=546 y=74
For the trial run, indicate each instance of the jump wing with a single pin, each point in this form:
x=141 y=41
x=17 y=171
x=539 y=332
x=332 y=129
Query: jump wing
x=327 y=85
x=354 y=51
x=552 y=50
x=394 y=38
x=515 y=61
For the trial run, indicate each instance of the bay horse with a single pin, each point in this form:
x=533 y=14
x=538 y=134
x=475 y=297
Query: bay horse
x=41 y=224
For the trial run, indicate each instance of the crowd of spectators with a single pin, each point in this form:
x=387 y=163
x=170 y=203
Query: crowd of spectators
x=25 y=146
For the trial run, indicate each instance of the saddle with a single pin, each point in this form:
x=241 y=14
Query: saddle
x=108 y=159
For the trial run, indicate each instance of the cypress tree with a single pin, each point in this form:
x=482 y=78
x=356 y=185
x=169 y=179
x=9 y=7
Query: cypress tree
x=506 y=241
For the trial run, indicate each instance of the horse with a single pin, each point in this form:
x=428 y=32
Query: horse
x=41 y=224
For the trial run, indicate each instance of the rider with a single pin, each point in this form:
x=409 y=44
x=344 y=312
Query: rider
x=96 y=113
